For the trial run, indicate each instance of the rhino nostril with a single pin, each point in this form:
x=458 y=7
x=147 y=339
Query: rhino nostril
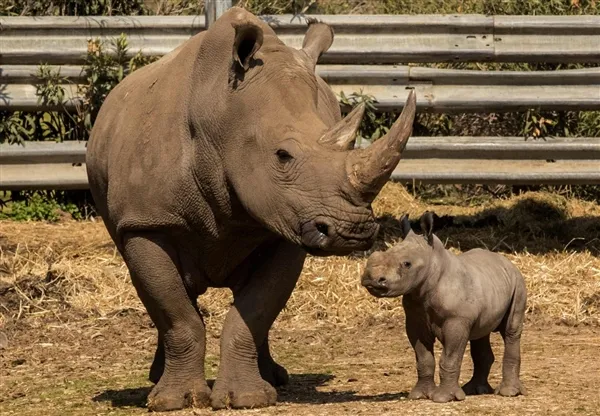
x=322 y=228
x=382 y=281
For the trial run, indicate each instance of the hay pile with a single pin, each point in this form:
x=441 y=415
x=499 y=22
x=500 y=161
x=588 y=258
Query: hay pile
x=71 y=271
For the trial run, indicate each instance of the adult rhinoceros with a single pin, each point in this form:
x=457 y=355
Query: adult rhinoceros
x=221 y=165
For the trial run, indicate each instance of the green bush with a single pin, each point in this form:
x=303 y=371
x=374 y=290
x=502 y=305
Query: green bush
x=36 y=206
x=71 y=7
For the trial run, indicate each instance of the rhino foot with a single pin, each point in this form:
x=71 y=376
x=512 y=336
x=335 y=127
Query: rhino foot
x=422 y=391
x=175 y=396
x=511 y=389
x=444 y=394
x=243 y=395
x=473 y=388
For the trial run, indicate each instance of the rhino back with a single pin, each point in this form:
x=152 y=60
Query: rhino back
x=140 y=150
x=493 y=280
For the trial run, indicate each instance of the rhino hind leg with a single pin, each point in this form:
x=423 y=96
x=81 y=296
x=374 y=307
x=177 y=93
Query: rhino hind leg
x=240 y=383
x=511 y=330
x=156 y=278
x=483 y=358
x=275 y=374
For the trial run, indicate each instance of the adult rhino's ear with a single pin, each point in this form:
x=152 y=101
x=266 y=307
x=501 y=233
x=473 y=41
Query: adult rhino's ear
x=318 y=40
x=248 y=40
x=427 y=226
x=405 y=226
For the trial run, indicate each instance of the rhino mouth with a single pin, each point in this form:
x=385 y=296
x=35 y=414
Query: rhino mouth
x=320 y=237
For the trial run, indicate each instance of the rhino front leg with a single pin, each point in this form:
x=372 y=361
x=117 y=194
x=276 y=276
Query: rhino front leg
x=152 y=262
x=270 y=371
x=455 y=334
x=158 y=364
x=422 y=341
x=239 y=383
x=483 y=358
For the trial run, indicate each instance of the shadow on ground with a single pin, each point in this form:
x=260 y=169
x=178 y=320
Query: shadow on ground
x=130 y=397
x=302 y=389
x=532 y=225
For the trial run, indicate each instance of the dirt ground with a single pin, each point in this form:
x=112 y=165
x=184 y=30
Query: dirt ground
x=75 y=340
x=92 y=368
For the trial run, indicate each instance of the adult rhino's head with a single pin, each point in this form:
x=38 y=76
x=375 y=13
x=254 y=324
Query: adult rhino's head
x=288 y=156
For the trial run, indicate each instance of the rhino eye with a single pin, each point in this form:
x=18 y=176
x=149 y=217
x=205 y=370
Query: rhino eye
x=283 y=156
x=406 y=264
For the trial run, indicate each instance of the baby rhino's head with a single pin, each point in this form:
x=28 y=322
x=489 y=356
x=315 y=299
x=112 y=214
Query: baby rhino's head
x=404 y=267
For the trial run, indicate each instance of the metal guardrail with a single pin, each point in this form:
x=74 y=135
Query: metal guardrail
x=46 y=165
x=438 y=90
x=359 y=39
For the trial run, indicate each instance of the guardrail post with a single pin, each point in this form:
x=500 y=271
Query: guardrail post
x=213 y=9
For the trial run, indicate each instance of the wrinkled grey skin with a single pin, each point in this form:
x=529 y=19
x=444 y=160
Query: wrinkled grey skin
x=221 y=165
x=456 y=299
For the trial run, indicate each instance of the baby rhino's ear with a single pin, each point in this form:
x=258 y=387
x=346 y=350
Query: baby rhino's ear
x=405 y=226
x=427 y=227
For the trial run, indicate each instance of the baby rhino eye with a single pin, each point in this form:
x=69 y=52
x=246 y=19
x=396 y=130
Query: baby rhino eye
x=406 y=264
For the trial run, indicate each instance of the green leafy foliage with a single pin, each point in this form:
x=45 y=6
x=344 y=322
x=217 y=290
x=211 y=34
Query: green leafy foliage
x=374 y=125
x=71 y=7
x=36 y=206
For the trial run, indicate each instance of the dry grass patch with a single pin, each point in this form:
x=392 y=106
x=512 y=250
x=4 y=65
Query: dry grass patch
x=71 y=270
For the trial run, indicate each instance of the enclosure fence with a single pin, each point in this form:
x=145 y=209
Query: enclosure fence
x=364 y=58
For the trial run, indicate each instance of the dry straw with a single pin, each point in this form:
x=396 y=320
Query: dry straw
x=71 y=271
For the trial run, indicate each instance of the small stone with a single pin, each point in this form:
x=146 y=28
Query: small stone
x=18 y=361
x=351 y=380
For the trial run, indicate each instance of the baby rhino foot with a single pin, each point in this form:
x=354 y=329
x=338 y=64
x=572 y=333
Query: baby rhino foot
x=422 y=391
x=443 y=394
x=174 y=396
x=473 y=388
x=511 y=389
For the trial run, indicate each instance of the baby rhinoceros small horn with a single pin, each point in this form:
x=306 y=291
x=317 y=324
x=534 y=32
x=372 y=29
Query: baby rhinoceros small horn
x=369 y=169
x=343 y=134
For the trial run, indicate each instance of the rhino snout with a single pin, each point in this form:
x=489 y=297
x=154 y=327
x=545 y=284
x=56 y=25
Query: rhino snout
x=321 y=236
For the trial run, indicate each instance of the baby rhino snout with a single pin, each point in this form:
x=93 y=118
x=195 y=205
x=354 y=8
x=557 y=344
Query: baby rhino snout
x=375 y=281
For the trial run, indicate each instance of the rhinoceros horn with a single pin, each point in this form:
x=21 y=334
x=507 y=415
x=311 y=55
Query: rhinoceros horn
x=370 y=168
x=343 y=134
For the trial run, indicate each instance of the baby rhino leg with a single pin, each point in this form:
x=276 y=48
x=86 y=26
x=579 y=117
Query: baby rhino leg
x=422 y=341
x=511 y=333
x=455 y=333
x=483 y=358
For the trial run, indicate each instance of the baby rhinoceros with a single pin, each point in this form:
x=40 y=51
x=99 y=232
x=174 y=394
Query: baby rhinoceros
x=456 y=299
